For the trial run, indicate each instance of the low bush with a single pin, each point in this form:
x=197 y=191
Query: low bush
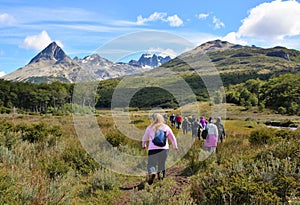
x=54 y=167
x=270 y=177
x=262 y=136
x=116 y=138
x=77 y=158
x=102 y=179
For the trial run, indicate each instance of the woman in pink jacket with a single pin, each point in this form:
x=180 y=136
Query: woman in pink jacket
x=211 y=142
x=157 y=155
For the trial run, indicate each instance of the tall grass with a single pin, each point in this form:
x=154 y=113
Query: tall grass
x=42 y=161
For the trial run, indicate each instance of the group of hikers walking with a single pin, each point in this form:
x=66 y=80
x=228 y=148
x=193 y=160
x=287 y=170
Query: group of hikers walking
x=196 y=126
x=158 y=133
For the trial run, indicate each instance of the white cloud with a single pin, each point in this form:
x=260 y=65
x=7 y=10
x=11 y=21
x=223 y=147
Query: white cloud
x=2 y=73
x=153 y=17
x=202 y=16
x=274 y=20
x=39 y=41
x=173 y=21
x=6 y=19
x=218 y=23
x=232 y=37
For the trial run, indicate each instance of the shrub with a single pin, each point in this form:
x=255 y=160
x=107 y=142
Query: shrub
x=282 y=110
x=239 y=184
x=160 y=193
x=36 y=132
x=39 y=132
x=8 y=139
x=261 y=136
x=54 y=167
x=270 y=177
x=102 y=179
x=76 y=157
x=6 y=185
x=6 y=126
x=4 y=110
x=116 y=138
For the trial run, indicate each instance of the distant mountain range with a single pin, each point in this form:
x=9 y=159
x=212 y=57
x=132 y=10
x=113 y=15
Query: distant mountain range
x=52 y=64
x=150 y=60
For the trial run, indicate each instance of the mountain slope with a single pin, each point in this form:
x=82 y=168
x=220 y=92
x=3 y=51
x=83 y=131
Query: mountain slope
x=52 y=64
x=52 y=53
x=230 y=58
x=234 y=62
x=103 y=69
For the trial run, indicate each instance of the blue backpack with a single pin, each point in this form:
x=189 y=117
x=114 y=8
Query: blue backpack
x=160 y=138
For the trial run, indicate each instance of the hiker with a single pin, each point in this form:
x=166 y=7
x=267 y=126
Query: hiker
x=157 y=156
x=210 y=143
x=178 y=120
x=172 y=120
x=185 y=126
x=221 y=130
x=166 y=118
x=196 y=126
x=190 y=120
x=203 y=121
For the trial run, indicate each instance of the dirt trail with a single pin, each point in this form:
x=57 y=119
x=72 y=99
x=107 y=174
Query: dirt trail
x=173 y=172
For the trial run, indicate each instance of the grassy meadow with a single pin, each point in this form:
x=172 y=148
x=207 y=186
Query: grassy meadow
x=42 y=161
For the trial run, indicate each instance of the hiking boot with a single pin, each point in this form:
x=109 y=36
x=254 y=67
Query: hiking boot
x=151 y=178
x=160 y=176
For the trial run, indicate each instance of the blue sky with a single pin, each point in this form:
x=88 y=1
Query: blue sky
x=82 y=27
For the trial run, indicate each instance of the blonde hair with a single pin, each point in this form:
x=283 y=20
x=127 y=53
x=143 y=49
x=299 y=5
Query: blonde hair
x=157 y=121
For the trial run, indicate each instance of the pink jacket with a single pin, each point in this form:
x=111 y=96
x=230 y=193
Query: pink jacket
x=149 y=135
x=212 y=139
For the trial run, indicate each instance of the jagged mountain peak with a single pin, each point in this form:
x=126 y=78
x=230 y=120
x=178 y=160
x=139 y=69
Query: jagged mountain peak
x=96 y=57
x=52 y=52
x=93 y=59
x=151 y=60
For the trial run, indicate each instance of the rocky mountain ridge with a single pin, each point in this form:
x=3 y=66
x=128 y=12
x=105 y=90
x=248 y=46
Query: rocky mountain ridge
x=52 y=64
x=150 y=60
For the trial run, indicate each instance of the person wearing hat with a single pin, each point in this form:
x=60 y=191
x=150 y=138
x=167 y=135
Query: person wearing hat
x=210 y=143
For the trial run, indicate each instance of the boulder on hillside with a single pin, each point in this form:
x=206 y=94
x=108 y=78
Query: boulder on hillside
x=279 y=53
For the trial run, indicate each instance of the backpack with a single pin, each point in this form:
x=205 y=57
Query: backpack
x=160 y=138
x=195 y=126
x=220 y=128
x=204 y=133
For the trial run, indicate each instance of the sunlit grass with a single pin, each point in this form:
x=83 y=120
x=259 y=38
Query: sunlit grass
x=58 y=169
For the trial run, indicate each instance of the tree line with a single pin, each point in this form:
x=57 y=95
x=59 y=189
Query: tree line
x=33 y=97
x=280 y=93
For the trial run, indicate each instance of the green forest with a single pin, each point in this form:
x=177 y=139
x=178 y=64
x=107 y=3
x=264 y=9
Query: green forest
x=280 y=93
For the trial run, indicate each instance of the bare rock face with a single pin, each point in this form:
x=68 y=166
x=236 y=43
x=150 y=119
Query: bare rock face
x=279 y=53
x=150 y=60
x=51 y=53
